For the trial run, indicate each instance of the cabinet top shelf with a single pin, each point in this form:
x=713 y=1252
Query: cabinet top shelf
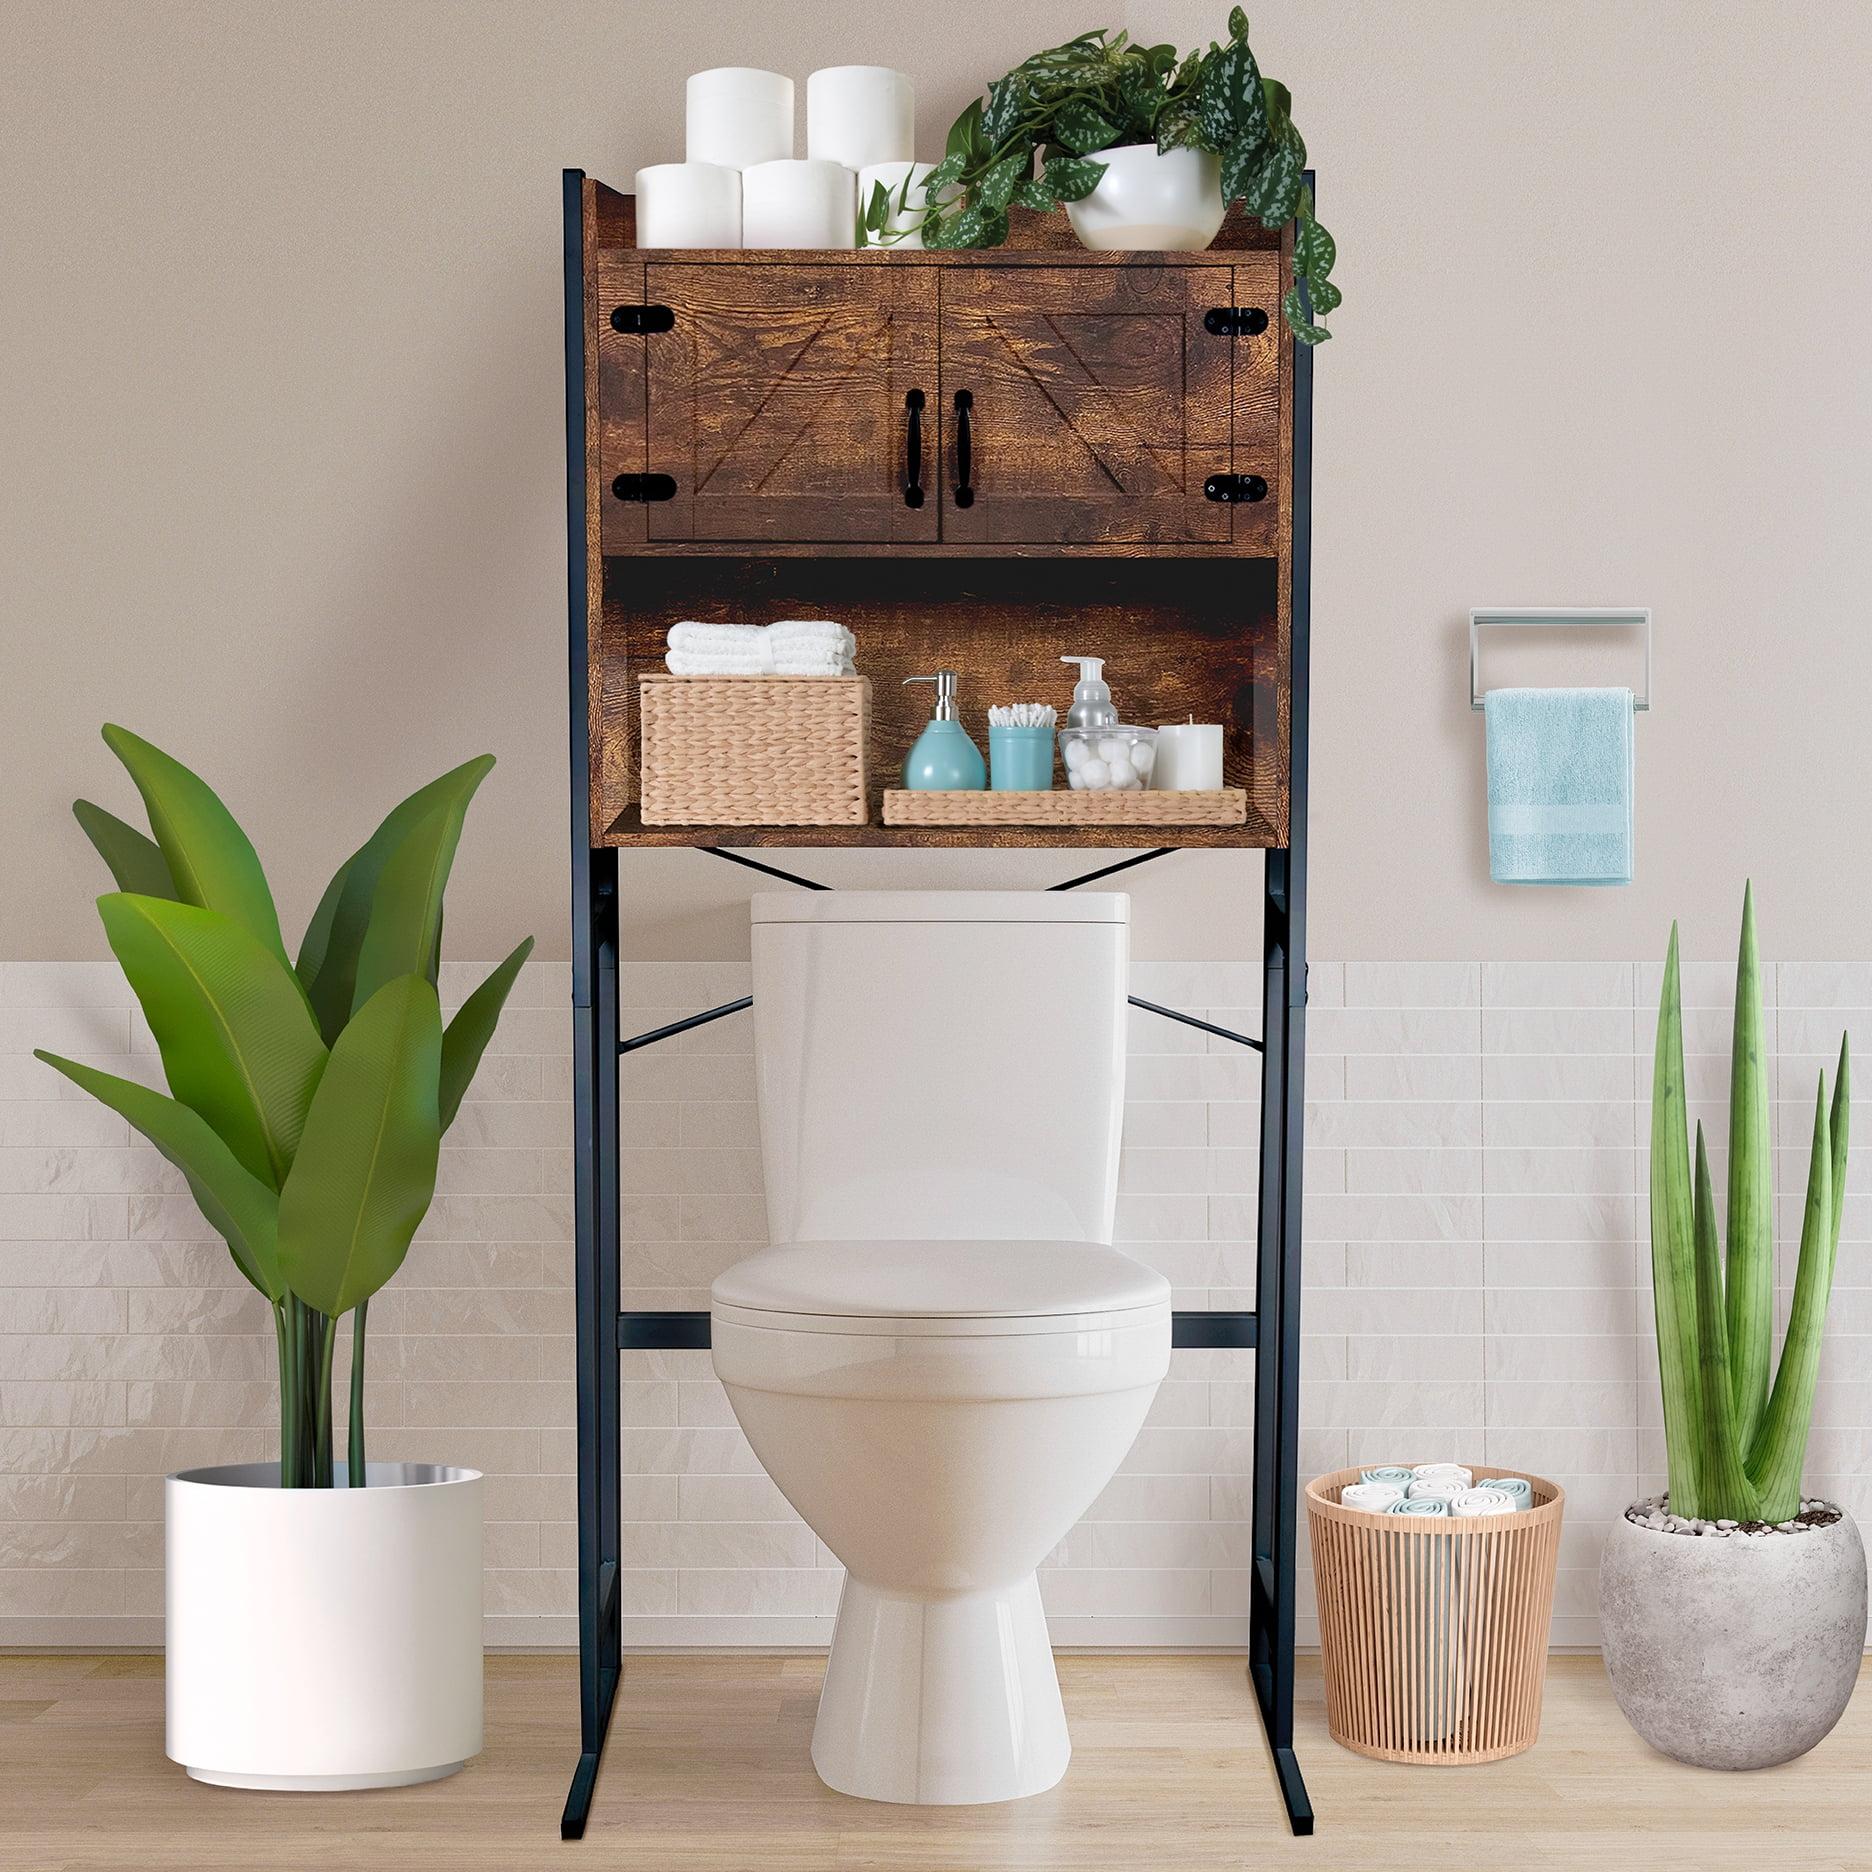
x=1033 y=239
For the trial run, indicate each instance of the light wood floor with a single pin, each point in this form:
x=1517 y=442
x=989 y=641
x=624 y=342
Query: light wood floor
x=708 y=1772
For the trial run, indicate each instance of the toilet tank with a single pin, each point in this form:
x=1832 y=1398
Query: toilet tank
x=940 y=1065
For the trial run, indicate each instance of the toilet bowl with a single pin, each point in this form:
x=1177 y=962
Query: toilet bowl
x=940 y=1360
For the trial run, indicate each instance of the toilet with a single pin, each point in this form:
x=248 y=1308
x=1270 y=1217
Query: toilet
x=940 y=1359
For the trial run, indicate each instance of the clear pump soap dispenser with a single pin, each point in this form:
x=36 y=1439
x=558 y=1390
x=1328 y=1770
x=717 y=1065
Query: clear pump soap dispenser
x=944 y=759
x=1092 y=700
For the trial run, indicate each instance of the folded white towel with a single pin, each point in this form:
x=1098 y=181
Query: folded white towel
x=719 y=639
x=792 y=647
x=815 y=665
x=802 y=630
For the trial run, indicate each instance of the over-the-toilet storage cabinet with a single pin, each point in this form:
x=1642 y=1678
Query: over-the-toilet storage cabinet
x=978 y=461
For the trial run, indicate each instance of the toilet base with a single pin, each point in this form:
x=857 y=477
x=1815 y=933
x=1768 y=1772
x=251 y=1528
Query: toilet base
x=940 y=1701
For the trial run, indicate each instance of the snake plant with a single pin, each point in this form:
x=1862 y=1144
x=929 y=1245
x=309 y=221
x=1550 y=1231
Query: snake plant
x=307 y=1098
x=1735 y=1442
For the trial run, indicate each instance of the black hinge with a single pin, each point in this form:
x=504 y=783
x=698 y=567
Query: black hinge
x=645 y=487
x=1235 y=321
x=1233 y=487
x=642 y=318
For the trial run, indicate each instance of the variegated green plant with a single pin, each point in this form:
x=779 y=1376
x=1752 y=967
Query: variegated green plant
x=1735 y=1443
x=307 y=1101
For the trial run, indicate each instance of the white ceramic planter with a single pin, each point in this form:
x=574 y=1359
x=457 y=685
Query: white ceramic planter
x=1736 y=1653
x=323 y=1638
x=1170 y=201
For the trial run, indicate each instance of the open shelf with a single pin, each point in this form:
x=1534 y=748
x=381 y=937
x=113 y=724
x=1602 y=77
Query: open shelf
x=1199 y=639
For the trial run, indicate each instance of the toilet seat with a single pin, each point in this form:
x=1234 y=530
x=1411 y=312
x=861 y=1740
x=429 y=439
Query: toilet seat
x=941 y=1289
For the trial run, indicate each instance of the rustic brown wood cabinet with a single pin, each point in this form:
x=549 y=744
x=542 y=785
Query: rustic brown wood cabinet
x=873 y=436
x=978 y=462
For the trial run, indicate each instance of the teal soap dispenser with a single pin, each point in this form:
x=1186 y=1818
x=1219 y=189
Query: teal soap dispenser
x=944 y=759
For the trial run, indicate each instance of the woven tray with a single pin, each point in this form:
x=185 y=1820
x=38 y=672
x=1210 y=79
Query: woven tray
x=754 y=750
x=1065 y=807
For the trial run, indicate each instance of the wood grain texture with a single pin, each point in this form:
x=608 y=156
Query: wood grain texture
x=777 y=401
x=1199 y=642
x=1100 y=404
x=708 y=1771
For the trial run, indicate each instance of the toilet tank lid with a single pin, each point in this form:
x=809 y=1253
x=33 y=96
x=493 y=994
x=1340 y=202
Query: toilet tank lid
x=940 y=907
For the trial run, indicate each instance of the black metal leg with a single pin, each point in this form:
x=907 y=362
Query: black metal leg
x=1277 y=1358
x=595 y=1193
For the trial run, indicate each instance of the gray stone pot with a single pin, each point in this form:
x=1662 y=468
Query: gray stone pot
x=1733 y=1653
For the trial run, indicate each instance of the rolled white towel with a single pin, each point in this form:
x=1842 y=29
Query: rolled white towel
x=1444 y=1472
x=1482 y=1501
x=1372 y=1497
x=1433 y=1490
x=1516 y=1488
x=1387 y=1472
x=1420 y=1505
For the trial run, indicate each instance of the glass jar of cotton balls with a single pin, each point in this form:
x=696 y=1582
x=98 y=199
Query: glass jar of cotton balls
x=1116 y=759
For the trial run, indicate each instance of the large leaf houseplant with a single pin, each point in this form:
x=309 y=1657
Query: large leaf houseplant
x=1734 y=1606
x=1045 y=134
x=307 y=1099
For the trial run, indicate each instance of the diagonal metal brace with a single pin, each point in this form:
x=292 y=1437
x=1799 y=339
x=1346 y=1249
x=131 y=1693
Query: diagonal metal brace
x=1190 y=1020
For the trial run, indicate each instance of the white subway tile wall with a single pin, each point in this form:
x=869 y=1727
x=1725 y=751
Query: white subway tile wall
x=1477 y=1286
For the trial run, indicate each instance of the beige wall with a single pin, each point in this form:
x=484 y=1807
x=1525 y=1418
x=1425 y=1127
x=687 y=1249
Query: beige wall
x=280 y=419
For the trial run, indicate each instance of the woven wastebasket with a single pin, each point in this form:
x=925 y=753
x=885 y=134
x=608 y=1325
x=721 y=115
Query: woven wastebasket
x=1433 y=1631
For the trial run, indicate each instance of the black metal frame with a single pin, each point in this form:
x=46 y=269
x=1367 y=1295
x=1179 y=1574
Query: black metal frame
x=605 y=1330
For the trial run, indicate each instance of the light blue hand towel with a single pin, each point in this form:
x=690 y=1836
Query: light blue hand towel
x=1559 y=785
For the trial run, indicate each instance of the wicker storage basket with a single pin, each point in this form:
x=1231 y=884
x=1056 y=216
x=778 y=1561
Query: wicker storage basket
x=1065 y=807
x=754 y=750
x=1433 y=1630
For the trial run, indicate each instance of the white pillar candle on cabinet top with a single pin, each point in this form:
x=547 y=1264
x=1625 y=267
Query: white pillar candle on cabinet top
x=688 y=204
x=893 y=175
x=738 y=115
x=1189 y=758
x=799 y=204
x=859 y=115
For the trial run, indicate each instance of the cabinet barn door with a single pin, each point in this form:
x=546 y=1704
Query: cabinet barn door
x=1096 y=404
x=778 y=401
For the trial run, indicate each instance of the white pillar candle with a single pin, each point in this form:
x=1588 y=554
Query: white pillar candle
x=738 y=116
x=688 y=204
x=799 y=204
x=1189 y=758
x=860 y=114
x=893 y=175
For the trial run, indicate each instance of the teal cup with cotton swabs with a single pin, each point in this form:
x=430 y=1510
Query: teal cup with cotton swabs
x=1020 y=760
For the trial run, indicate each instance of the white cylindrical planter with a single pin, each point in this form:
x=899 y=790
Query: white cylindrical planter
x=688 y=204
x=910 y=215
x=737 y=115
x=1147 y=199
x=859 y=115
x=799 y=204
x=323 y=1638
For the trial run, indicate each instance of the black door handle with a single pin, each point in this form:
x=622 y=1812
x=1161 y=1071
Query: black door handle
x=913 y=450
x=964 y=491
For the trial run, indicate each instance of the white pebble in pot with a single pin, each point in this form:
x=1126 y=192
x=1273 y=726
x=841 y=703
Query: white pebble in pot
x=1075 y=754
x=1111 y=749
x=1143 y=758
x=1094 y=773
